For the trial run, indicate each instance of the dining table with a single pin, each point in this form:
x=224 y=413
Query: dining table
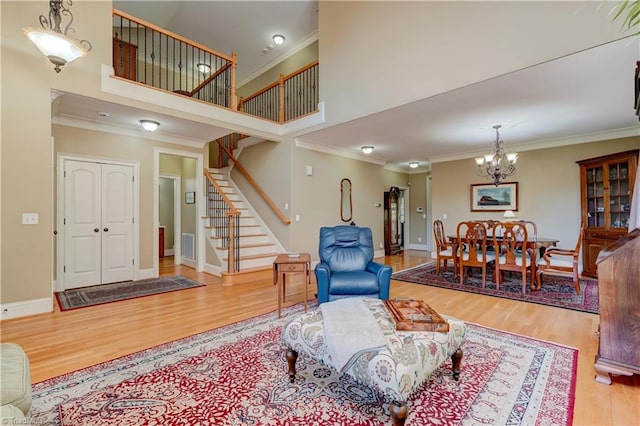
x=540 y=243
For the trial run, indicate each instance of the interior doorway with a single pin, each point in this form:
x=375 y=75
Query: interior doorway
x=169 y=213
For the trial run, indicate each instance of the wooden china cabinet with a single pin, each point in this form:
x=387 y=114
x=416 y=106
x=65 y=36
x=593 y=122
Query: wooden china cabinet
x=606 y=186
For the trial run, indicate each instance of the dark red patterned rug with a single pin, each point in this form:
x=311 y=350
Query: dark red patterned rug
x=237 y=375
x=556 y=290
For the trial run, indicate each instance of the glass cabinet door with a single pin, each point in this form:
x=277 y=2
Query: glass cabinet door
x=595 y=197
x=619 y=194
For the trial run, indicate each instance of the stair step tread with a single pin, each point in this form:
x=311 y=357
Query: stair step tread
x=253 y=225
x=245 y=246
x=213 y=217
x=254 y=256
x=241 y=236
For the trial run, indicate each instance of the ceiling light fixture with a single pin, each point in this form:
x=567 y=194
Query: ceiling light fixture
x=149 y=125
x=52 y=42
x=278 y=39
x=414 y=164
x=367 y=149
x=498 y=165
x=204 y=68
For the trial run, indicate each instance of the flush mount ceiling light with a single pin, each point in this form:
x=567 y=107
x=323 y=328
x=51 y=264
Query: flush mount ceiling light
x=367 y=149
x=52 y=41
x=497 y=165
x=149 y=125
x=204 y=68
x=414 y=164
x=278 y=39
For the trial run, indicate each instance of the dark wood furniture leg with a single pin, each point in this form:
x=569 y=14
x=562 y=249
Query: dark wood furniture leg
x=398 y=412
x=456 y=360
x=292 y=357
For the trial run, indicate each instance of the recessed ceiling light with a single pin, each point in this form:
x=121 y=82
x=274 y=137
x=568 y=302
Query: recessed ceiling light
x=278 y=39
x=149 y=125
x=367 y=149
x=414 y=164
x=103 y=114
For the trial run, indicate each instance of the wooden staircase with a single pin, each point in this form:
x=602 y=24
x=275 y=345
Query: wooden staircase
x=257 y=247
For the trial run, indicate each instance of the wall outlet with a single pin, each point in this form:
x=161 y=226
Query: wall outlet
x=444 y=216
x=419 y=239
x=381 y=244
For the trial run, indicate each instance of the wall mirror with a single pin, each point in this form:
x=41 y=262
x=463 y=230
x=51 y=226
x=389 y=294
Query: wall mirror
x=345 y=200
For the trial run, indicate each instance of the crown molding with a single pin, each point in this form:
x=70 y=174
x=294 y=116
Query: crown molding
x=549 y=143
x=310 y=38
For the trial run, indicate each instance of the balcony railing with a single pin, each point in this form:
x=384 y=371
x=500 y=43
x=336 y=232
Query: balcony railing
x=291 y=97
x=153 y=56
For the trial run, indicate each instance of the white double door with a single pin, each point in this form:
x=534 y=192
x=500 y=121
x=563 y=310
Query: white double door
x=98 y=223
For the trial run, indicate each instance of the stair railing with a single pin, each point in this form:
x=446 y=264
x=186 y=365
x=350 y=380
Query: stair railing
x=255 y=185
x=291 y=97
x=224 y=219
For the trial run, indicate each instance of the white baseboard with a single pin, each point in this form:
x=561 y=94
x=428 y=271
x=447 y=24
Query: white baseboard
x=188 y=262
x=213 y=270
x=143 y=274
x=168 y=252
x=26 y=308
x=422 y=247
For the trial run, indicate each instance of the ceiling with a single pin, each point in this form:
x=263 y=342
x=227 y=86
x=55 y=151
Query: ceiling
x=586 y=96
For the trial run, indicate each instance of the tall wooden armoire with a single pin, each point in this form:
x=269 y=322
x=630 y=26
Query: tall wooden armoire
x=619 y=300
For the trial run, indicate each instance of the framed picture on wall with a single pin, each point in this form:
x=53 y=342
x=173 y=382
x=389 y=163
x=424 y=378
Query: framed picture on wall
x=190 y=197
x=486 y=197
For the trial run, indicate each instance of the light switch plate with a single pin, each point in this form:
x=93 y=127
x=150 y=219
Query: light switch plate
x=30 y=218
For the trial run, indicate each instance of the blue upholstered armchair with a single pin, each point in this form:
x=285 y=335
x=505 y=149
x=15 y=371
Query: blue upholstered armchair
x=346 y=267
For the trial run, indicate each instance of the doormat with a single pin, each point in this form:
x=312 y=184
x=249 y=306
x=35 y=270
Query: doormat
x=107 y=293
x=555 y=291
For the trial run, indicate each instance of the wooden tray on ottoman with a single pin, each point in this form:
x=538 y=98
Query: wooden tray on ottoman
x=415 y=315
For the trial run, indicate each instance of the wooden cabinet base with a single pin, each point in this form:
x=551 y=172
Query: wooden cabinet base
x=605 y=367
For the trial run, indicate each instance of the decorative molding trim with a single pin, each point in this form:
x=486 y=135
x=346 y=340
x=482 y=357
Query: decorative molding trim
x=549 y=143
x=144 y=274
x=337 y=151
x=26 y=308
x=213 y=270
x=310 y=38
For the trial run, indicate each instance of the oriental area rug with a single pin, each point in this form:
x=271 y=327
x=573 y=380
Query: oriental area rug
x=107 y=293
x=555 y=291
x=237 y=375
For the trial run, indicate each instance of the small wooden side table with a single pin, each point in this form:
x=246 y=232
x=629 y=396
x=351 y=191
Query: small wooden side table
x=285 y=264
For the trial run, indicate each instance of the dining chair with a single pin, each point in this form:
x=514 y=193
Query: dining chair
x=514 y=254
x=560 y=261
x=473 y=235
x=444 y=249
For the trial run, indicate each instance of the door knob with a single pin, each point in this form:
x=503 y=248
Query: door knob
x=106 y=229
x=96 y=230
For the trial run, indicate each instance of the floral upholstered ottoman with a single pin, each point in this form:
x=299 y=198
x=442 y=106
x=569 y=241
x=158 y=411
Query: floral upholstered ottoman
x=404 y=361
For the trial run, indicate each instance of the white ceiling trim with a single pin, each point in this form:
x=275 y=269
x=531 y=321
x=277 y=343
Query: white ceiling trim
x=275 y=61
x=339 y=152
x=64 y=120
x=548 y=143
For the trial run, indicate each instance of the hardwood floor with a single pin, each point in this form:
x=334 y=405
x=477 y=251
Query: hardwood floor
x=61 y=342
